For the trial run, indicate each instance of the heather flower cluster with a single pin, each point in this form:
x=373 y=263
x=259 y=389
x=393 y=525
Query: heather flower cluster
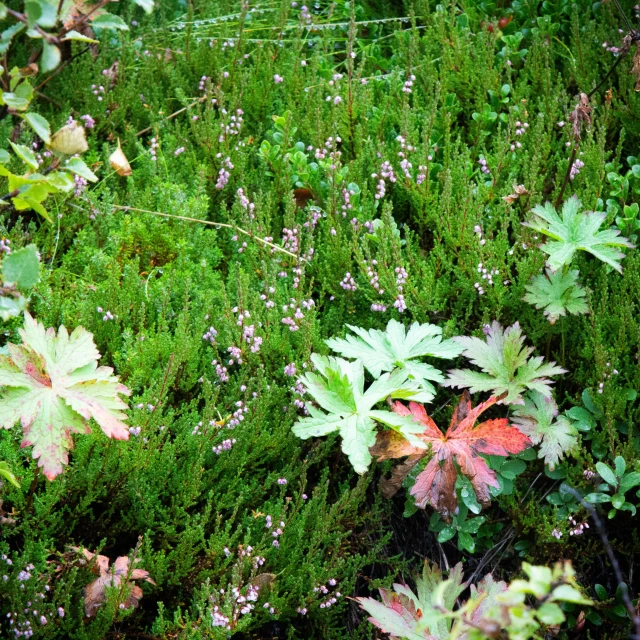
x=224 y=173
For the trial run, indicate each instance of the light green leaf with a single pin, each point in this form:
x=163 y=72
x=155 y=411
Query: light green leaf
x=338 y=388
x=5 y=472
x=52 y=385
x=3 y=11
x=567 y=593
x=539 y=420
x=109 y=21
x=12 y=306
x=69 y=140
x=74 y=35
x=606 y=474
x=550 y=613
x=576 y=231
x=23 y=203
x=22 y=267
x=147 y=5
x=557 y=293
x=506 y=364
x=13 y=101
x=385 y=350
x=25 y=154
x=39 y=125
x=4 y=156
x=8 y=34
x=78 y=166
x=50 y=57
x=629 y=481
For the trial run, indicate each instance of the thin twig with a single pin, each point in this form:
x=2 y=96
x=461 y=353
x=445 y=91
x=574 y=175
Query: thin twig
x=173 y=115
x=564 y=186
x=213 y=224
x=622 y=585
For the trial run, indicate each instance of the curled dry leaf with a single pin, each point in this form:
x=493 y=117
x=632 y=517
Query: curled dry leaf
x=459 y=448
x=580 y=115
x=95 y=592
x=635 y=69
x=119 y=162
x=518 y=191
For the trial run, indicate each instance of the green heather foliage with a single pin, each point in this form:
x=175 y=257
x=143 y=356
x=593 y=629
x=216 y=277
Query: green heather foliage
x=415 y=187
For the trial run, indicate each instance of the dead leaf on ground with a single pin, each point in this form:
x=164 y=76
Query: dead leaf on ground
x=119 y=162
x=580 y=115
x=95 y=592
x=518 y=191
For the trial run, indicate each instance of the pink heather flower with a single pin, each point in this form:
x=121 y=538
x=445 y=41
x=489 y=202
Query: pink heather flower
x=89 y=122
x=282 y=481
x=278 y=79
x=290 y=369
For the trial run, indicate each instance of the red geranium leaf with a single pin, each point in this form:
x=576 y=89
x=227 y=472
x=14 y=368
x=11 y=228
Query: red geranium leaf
x=459 y=448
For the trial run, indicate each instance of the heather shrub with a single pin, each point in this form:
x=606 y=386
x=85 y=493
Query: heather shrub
x=282 y=194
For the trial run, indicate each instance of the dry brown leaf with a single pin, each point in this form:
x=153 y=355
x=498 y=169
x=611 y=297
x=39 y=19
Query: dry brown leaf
x=76 y=9
x=390 y=486
x=263 y=581
x=95 y=592
x=580 y=115
x=119 y=162
x=518 y=191
x=635 y=69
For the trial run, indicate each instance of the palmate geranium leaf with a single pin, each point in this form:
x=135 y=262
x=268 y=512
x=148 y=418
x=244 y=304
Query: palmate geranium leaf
x=427 y=614
x=538 y=419
x=386 y=350
x=53 y=386
x=506 y=365
x=458 y=448
x=338 y=388
x=557 y=293
x=576 y=230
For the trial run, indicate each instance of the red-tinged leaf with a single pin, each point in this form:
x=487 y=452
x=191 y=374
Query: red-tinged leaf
x=458 y=448
x=391 y=444
x=52 y=385
x=419 y=415
x=95 y=592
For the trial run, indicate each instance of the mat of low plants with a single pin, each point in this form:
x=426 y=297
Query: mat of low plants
x=319 y=321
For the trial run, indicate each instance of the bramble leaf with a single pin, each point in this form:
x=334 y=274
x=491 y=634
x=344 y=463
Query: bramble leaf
x=339 y=389
x=506 y=364
x=538 y=419
x=53 y=386
x=557 y=293
x=385 y=350
x=575 y=231
x=458 y=448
